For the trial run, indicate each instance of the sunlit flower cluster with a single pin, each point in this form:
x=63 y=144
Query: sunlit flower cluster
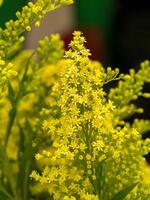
x=24 y=94
x=128 y=90
x=11 y=36
x=33 y=12
x=92 y=155
x=6 y=73
x=64 y=134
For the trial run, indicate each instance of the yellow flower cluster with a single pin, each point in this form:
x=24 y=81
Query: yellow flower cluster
x=30 y=13
x=129 y=89
x=91 y=157
x=143 y=126
x=40 y=78
x=50 y=50
x=26 y=95
x=11 y=36
x=58 y=107
x=6 y=73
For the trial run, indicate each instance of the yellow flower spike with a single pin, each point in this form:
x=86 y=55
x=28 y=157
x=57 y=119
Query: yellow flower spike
x=83 y=129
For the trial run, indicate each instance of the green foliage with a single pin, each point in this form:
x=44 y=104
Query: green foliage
x=123 y=193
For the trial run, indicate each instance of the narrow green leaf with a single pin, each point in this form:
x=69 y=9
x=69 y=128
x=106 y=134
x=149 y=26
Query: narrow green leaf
x=5 y=196
x=6 y=168
x=124 y=192
x=11 y=94
x=98 y=184
x=27 y=155
x=3 y=192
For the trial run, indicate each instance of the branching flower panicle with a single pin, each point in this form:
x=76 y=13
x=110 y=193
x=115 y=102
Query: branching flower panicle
x=58 y=110
x=91 y=157
x=31 y=13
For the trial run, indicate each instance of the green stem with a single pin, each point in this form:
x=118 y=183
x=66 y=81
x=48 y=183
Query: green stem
x=12 y=115
x=7 y=171
x=25 y=184
x=16 y=100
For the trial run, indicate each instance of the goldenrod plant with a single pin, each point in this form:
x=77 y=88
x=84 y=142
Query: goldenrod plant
x=63 y=135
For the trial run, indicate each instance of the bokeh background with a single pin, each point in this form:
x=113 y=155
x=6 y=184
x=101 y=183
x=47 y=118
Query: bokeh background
x=117 y=31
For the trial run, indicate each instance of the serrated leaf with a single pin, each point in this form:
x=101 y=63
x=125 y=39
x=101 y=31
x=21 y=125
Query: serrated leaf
x=124 y=192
